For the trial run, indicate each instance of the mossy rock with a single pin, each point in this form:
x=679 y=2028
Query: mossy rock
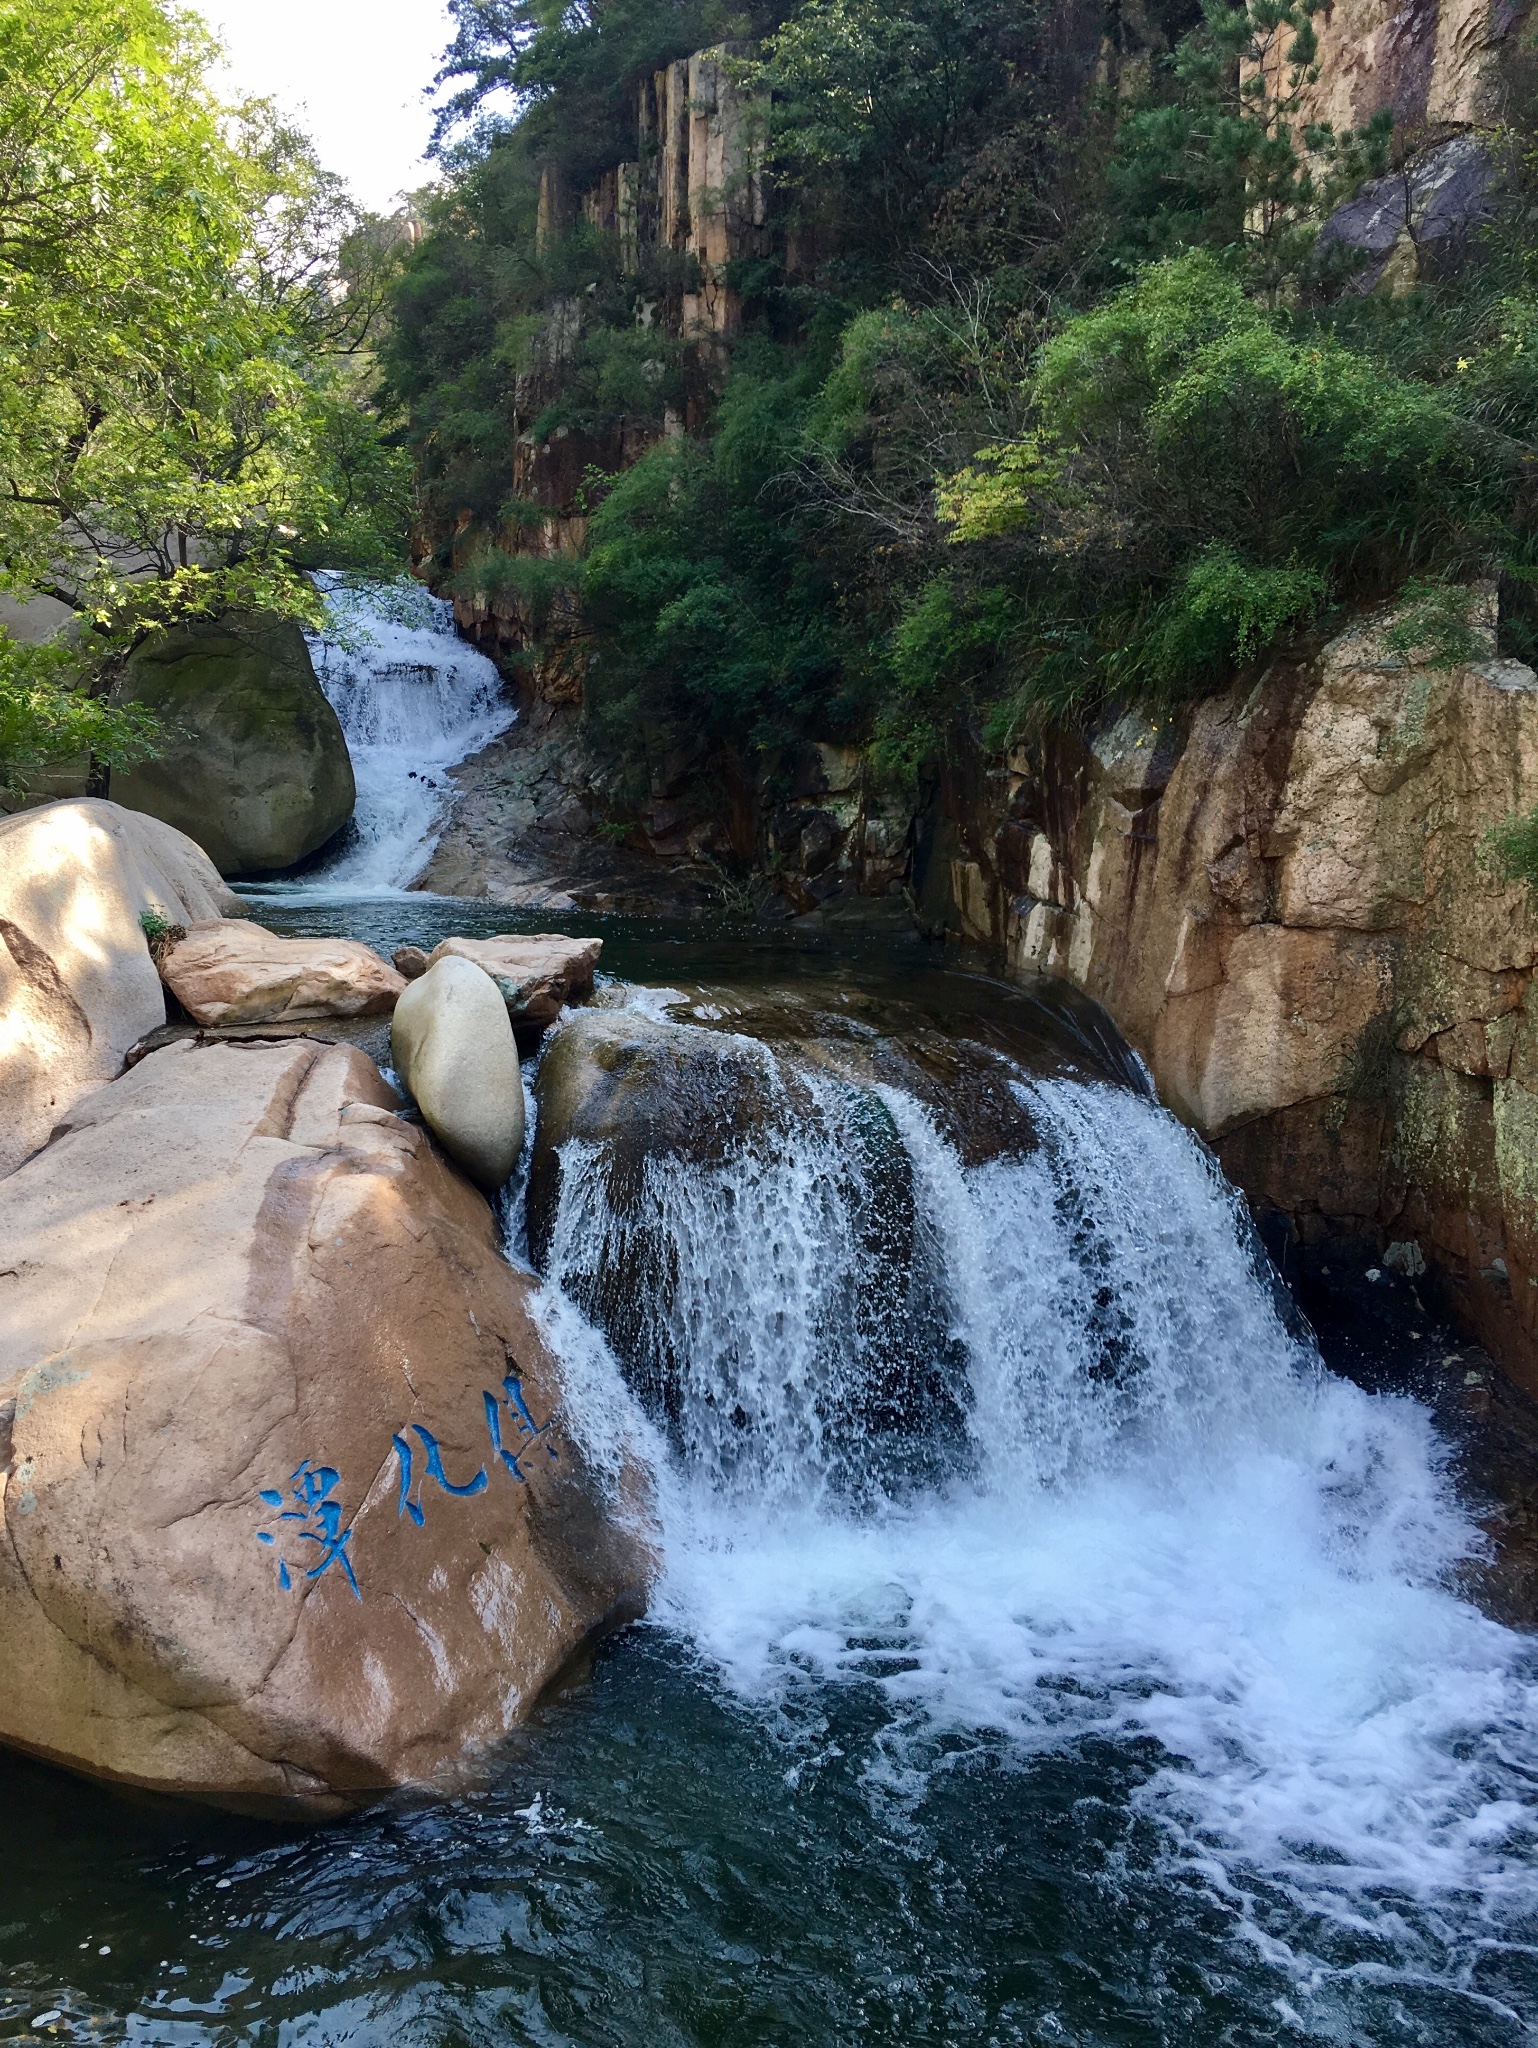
x=255 y=767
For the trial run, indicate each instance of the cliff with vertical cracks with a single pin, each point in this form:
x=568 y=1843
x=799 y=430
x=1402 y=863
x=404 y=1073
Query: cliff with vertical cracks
x=1436 y=66
x=1286 y=904
x=694 y=191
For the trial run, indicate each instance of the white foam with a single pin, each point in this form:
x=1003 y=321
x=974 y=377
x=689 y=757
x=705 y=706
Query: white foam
x=1217 y=1546
x=414 y=700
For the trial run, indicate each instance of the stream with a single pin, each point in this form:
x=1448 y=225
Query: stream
x=1049 y=1648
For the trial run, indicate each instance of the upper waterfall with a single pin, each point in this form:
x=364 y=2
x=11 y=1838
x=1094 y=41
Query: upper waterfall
x=414 y=699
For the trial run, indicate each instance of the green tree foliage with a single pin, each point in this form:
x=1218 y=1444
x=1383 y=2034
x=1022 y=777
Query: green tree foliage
x=1056 y=402
x=46 y=717
x=492 y=337
x=1203 y=473
x=187 y=299
x=874 y=108
x=718 y=620
x=564 y=69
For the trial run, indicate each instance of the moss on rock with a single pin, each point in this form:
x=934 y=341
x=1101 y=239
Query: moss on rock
x=255 y=767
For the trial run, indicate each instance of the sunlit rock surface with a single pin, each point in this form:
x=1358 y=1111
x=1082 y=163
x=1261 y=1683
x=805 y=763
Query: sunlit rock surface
x=77 y=984
x=453 y=1046
x=287 y=1509
x=237 y=972
x=537 y=973
x=1433 y=66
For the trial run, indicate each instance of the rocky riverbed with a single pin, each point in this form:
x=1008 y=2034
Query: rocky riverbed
x=864 y=1316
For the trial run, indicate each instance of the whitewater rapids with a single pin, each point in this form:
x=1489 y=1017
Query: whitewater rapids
x=1221 y=1559
x=414 y=701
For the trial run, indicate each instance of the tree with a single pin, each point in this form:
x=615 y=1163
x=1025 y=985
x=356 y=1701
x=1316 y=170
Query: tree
x=1226 y=161
x=182 y=417
x=875 y=105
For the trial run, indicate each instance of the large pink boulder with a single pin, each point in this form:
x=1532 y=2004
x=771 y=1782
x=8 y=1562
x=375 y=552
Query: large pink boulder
x=236 y=972
x=537 y=972
x=77 y=984
x=289 y=1508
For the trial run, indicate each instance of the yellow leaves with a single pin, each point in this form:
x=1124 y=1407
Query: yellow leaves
x=995 y=493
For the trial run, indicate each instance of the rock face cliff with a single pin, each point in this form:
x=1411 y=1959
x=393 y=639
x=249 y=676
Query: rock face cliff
x=693 y=193
x=1287 y=906
x=1436 y=67
x=1433 y=64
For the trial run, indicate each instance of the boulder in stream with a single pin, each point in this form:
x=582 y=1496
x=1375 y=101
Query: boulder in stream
x=289 y=1513
x=77 y=983
x=236 y=972
x=537 y=972
x=636 y=1088
x=673 y=1165
x=454 y=1049
x=255 y=766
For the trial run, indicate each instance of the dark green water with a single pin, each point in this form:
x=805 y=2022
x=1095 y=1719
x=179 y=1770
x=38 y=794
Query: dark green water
x=665 y=1857
x=657 y=1868
x=952 y=985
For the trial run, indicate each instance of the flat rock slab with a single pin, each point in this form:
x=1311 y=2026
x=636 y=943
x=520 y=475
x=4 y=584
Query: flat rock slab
x=537 y=973
x=236 y=972
x=289 y=1513
x=77 y=984
x=370 y=1035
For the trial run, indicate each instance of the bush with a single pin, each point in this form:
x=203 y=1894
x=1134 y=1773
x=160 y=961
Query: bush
x=1510 y=851
x=1202 y=475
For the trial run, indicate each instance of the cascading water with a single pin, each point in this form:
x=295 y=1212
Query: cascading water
x=414 y=700
x=1157 y=1526
x=1047 y=1651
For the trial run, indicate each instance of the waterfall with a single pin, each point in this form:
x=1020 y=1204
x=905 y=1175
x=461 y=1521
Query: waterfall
x=1141 y=1512
x=414 y=700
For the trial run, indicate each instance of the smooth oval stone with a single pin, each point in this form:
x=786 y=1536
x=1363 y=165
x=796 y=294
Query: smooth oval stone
x=455 y=1052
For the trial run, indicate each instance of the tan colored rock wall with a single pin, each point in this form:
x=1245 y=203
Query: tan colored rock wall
x=1434 y=64
x=697 y=186
x=1285 y=909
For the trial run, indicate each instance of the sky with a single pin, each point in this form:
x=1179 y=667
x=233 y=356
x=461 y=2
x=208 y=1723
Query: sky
x=350 y=71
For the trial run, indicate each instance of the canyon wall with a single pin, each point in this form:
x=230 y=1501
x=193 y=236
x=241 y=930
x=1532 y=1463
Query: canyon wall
x=694 y=192
x=1286 y=902
x=1442 y=70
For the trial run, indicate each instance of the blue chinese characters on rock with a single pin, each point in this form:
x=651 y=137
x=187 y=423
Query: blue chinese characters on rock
x=434 y=1470
x=310 y=1488
x=309 y=1512
x=527 y=1434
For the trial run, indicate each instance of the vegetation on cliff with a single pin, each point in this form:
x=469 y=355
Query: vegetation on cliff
x=1046 y=388
x=187 y=300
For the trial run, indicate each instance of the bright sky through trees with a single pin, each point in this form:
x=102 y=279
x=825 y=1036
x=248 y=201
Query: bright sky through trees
x=350 y=71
